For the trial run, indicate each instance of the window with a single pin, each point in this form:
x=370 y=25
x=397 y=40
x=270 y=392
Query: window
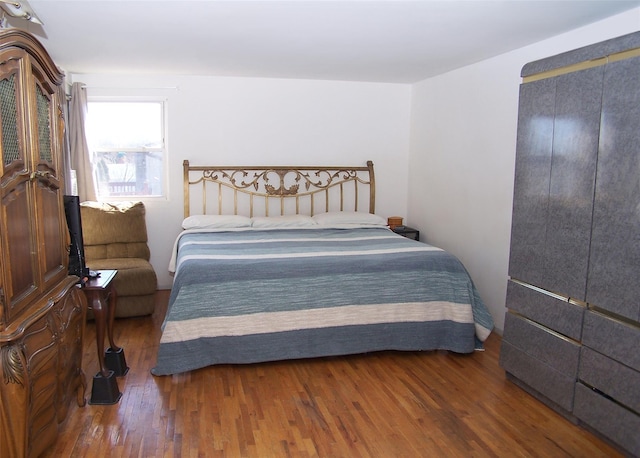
x=126 y=140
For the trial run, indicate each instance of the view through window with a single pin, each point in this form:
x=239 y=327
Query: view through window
x=126 y=140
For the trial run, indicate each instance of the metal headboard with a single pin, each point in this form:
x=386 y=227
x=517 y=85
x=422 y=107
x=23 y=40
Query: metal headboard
x=255 y=191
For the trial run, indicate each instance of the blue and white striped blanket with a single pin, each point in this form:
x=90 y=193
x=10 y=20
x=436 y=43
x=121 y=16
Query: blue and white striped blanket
x=263 y=295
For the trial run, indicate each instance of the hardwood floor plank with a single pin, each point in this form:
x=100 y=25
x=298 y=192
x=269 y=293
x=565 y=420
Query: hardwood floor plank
x=376 y=405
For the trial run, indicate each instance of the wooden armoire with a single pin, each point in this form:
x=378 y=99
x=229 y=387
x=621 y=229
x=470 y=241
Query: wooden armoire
x=572 y=331
x=42 y=311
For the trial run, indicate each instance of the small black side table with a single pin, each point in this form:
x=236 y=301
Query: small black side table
x=407 y=232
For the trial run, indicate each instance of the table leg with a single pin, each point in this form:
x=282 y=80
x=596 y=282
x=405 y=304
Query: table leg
x=114 y=356
x=113 y=298
x=100 y=314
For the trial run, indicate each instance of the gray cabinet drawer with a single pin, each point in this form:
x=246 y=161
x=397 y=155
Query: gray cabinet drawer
x=549 y=348
x=613 y=338
x=610 y=419
x=554 y=385
x=612 y=378
x=557 y=314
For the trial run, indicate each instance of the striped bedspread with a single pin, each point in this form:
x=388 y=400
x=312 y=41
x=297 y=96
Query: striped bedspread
x=253 y=296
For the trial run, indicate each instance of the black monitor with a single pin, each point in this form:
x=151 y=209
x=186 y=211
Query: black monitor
x=77 y=265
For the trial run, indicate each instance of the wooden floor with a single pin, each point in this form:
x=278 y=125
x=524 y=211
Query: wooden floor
x=378 y=405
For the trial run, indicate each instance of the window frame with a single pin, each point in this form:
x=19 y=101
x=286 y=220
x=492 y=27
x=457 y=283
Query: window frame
x=164 y=150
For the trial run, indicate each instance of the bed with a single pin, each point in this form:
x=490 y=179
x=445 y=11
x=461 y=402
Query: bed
x=292 y=262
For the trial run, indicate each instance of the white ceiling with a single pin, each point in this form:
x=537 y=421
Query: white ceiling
x=380 y=41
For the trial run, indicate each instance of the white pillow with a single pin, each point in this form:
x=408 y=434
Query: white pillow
x=349 y=218
x=215 y=222
x=290 y=221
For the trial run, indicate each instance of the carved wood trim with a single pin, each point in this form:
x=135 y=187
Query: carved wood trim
x=12 y=362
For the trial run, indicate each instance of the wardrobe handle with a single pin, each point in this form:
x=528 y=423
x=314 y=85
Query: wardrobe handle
x=39 y=174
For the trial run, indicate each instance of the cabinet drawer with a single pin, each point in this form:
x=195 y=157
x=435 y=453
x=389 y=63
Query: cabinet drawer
x=549 y=348
x=613 y=338
x=547 y=381
x=612 y=378
x=610 y=419
x=557 y=314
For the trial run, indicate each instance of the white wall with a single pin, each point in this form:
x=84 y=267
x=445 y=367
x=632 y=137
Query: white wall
x=252 y=121
x=461 y=166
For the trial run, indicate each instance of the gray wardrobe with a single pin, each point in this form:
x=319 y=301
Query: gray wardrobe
x=572 y=330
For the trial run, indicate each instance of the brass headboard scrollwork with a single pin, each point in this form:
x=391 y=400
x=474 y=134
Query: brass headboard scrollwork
x=254 y=191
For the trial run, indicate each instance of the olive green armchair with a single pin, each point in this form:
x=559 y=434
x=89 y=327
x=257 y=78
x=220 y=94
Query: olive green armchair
x=115 y=237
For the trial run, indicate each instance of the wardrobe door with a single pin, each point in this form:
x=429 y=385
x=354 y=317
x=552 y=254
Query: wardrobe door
x=531 y=187
x=557 y=147
x=614 y=266
x=18 y=243
x=573 y=170
x=50 y=220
